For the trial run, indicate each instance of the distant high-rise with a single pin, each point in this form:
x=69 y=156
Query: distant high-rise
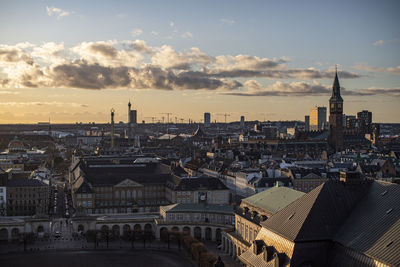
x=317 y=118
x=132 y=114
x=207 y=119
x=365 y=120
x=307 y=123
x=242 y=122
x=336 y=117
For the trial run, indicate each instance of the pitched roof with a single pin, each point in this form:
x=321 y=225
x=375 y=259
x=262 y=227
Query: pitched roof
x=206 y=183
x=273 y=199
x=25 y=182
x=318 y=214
x=373 y=227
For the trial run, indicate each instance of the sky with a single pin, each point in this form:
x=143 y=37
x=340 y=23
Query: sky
x=72 y=61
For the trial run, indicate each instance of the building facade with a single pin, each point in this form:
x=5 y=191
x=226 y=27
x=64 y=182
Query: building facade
x=27 y=197
x=317 y=118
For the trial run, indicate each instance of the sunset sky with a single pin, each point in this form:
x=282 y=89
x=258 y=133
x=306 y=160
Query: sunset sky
x=72 y=61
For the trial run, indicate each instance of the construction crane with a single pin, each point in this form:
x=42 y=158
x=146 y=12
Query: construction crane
x=225 y=115
x=166 y=113
x=152 y=119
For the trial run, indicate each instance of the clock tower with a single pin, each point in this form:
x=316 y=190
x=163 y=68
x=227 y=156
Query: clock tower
x=336 y=117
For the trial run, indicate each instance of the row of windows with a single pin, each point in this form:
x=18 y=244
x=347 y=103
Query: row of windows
x=85 y=204
x=184 y=200
x=213 y=218
x=83 y=195
x=246 y=231
x=184 y=193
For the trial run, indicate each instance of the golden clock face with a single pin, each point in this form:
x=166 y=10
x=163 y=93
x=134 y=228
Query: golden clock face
x=332 y=105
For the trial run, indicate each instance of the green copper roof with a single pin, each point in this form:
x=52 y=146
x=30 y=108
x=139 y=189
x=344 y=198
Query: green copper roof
x=273 y=199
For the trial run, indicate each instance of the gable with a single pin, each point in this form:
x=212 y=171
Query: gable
x=128 y=183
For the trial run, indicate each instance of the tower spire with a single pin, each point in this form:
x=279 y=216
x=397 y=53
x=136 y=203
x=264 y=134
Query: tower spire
x=336 y=88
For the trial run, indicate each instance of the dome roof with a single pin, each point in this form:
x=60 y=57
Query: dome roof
x=16 y=145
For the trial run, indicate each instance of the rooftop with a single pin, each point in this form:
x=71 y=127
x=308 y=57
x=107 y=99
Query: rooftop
x=274 y=199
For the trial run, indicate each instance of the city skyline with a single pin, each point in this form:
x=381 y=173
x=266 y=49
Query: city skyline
x=73 y=62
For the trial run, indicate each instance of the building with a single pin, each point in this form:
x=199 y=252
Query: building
x=252 y=211
x=15 y=164
x=27 y=197
x=109 y=185
x=351 y=222
x=365 y=119
x=307 y=123
x=207 y=119
x=317 y=118
x=352 y=122
x=336 y=139
x=242 y=122
x=205 y=190
x=132 y=115
x=202 y=221
x=3 y=192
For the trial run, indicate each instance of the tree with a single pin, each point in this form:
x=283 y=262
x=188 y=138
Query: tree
x=188 y=241
x=207 y=259
x=197 y=250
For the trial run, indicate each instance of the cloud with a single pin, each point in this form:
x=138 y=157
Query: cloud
x=283 y=89
x=136 y=32
x=254 y=88
x=380 y=42
x=187 y=35
x=171 y=24
x=167 y=57
x=135 y=64
x=49 y=52
x=105 y=53
x=395 y=70
x=57 y=12
x=139 y=45
x=154 y=33
x=14 y=55
x=42 y=103
x=227 y=21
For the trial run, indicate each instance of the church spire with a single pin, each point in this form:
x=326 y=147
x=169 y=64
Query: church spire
x=336 y=88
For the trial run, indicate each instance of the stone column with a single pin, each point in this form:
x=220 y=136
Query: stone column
x=213 y=233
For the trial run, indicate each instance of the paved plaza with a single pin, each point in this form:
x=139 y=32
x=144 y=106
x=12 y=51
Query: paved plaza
x=99 y=258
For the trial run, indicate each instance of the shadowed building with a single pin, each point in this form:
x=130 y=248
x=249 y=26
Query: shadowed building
x=351 y=222
x=336 y=117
